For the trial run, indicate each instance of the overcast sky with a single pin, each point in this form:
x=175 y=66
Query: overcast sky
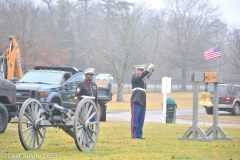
x=230 y=9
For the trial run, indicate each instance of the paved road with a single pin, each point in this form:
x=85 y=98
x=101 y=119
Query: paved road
x=156 y=116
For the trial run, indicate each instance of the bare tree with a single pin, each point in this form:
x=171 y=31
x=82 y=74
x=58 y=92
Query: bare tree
x=22 y=20
x=125 y=46
x=85 y=21
x=188 y=29
x=27 y=22
x=233 y=56
x=51 y=21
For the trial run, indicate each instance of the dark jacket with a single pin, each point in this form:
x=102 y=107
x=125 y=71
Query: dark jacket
x=139 y=96
x=87 y=88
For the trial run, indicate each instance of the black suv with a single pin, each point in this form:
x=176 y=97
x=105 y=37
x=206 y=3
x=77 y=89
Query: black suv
x=7 y=101
x=228 y=98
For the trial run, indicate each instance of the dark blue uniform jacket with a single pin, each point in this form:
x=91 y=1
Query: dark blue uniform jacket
x=139 y=96
x=87 y=88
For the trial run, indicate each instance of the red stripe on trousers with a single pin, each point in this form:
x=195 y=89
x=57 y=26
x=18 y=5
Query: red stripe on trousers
x=132 y=120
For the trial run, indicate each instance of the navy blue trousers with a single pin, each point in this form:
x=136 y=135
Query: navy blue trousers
x=137 y=120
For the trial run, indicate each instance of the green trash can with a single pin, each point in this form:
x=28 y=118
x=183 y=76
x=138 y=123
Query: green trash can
x=171 y=110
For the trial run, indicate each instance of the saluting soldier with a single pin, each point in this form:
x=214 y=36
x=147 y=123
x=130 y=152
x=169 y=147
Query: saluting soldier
x=86 y=88
x=138 y=99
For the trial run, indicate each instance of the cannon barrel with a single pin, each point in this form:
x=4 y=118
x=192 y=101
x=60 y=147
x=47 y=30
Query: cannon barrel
x=54 y=107
x=59 y=107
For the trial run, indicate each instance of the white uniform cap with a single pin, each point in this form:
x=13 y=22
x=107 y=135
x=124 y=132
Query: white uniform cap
x=89 y=71
x=140 y=67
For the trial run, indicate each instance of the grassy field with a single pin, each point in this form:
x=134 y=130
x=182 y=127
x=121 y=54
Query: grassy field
x=114 y=140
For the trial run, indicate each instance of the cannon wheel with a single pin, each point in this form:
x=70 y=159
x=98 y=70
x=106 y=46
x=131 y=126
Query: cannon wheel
x=3 y=118
x=30 y=133
x=86 y=125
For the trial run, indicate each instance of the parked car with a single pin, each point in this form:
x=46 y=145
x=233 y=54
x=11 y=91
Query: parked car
x=107 y=77
x=228 y=98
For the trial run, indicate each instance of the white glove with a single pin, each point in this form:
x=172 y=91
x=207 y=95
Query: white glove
x=150 y=67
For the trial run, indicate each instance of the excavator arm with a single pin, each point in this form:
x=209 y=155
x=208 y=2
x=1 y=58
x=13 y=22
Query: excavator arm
x=10 y=64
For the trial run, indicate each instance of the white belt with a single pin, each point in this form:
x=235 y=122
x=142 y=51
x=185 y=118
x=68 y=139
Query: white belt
x=90 y=97
x=139 y=89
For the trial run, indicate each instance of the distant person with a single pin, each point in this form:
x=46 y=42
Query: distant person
x=63 y=80
x=138 y=99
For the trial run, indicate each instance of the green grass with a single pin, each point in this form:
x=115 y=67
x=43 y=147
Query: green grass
x=114 y=142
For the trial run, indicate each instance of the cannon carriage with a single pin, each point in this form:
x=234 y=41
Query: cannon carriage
x=82 y=124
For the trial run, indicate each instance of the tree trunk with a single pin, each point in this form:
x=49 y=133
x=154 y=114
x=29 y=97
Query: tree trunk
x=183 y=86
x=119 y=92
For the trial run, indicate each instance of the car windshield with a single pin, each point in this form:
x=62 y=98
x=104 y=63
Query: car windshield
x=42 y=77
x=222 y=89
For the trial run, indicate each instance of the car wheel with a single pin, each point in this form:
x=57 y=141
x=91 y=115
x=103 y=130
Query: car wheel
x=3 y=118
x=9 y=119
x=103 y=112
x=56 y=100
x=209 y=110
x=236 y=109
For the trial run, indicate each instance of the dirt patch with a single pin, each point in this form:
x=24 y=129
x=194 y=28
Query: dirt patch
x=222 y=118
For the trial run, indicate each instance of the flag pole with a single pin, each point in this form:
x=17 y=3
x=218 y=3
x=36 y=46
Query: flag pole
x=217 y=63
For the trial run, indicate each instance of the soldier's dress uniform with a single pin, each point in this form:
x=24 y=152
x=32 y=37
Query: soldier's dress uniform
x=87 y=88
x=138 y=102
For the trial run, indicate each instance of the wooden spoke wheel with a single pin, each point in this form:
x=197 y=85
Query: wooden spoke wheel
x=86 y=125
x=30 y=133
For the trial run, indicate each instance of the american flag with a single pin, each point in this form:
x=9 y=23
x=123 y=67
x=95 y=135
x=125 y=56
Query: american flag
x=212 y=53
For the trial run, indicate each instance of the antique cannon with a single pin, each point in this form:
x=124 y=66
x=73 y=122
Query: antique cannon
x=82 y=124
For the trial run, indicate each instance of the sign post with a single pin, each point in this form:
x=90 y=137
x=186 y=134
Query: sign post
x=166 y=88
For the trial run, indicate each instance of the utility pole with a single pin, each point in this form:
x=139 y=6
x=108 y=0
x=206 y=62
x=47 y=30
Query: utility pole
x=86 y=40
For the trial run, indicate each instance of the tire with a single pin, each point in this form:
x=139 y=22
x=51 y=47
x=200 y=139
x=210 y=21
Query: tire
x=103 y=112
x=3 y=118
x=55 y=100
x=99 y=111
x=209 y=110
x=9 y=119
x=236 y=109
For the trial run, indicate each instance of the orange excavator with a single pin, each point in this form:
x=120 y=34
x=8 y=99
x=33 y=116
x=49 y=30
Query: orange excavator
x=10 y=66
x=10 y=63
